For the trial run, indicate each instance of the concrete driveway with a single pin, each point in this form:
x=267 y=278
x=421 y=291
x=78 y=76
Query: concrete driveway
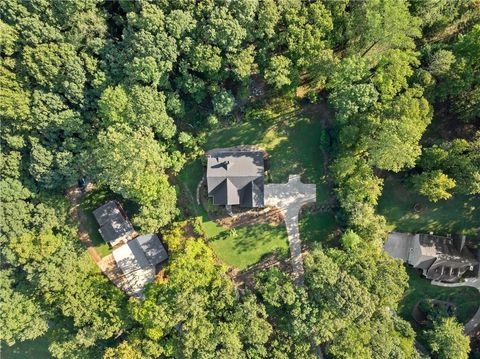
x=290 y=197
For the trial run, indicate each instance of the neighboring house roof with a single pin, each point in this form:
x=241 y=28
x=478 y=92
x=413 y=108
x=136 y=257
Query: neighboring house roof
x=439 y=257
x=116 y=227
x=235 y=177
x=443 y=248
x=113 y=224
x=137 y=260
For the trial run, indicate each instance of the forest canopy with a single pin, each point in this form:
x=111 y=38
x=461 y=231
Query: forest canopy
x=123 y=93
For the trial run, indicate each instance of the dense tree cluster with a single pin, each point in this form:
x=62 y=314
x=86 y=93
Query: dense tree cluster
x=123 y=92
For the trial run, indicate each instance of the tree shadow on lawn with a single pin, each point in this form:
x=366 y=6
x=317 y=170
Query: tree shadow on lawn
x=247 y=245
x=459 y=214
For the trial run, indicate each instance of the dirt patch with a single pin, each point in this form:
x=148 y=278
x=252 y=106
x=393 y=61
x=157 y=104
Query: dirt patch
x=74 y=195
x=265 y=216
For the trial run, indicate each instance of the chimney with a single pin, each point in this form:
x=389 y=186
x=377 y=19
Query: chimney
x=227 y=164
x=462 y=242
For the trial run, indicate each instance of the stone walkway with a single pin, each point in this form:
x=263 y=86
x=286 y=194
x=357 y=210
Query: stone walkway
x=474 y=323
x=290 y=197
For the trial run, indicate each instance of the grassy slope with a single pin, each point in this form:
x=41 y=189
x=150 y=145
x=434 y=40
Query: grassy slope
x=466 y=299
x=245 y=246
x=294 y=147
x=460 y=214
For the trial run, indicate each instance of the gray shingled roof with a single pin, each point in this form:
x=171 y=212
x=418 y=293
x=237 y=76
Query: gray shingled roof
x=444 y=249
x=117 y=226
x=236 y=178
x=104 y=212
x=152 y=247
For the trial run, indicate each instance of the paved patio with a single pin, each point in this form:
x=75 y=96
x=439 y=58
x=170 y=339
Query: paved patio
x=290 y=197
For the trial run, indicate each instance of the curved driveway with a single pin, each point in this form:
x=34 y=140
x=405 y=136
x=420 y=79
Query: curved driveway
x=290 y=197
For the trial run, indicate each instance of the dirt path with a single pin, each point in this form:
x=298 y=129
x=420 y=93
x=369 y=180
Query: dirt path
x=74 y=195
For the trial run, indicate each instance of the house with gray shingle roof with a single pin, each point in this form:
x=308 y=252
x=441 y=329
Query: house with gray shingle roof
x=440 y=258
x=114 y=228
x=235 y=177
x=138 y=258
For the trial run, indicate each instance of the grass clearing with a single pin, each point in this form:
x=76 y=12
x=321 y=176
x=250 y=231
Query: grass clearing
x=294 y=146
x=466 y=299
x=460 y=214
x=37 y=348
x=292 y=139
x=243 y=246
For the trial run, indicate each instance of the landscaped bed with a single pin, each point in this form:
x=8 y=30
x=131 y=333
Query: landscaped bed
x=465 y=299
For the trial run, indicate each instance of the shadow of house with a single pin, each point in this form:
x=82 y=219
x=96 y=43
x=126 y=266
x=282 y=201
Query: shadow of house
x=440 y=258
x=137 y=259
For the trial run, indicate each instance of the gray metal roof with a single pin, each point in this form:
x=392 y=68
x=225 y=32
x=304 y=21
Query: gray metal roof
x=104 y=212
x=236 y=177
x=115 y=227
x=154 y=251
x=137 y=260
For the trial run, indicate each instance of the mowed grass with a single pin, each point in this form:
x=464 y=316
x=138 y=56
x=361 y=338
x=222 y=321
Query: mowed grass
x=460 y=214
x=293 y=142
x=243 y=246
x=466 y=299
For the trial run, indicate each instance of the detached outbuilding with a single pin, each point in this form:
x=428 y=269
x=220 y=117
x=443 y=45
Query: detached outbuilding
x=236 y=177
x=440 y=258
x=115 y=228
x=137 y=259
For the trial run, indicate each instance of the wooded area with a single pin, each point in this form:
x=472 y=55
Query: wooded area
x=124 y=94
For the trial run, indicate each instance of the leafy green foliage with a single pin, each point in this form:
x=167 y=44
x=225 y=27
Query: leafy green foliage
x=434 y=185
x=447 y=340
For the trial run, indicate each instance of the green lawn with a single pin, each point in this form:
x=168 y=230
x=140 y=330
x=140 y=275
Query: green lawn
x=316 y=227
x=466 y=299
x=293 y=142
x=37 y=349
x=460 y=214
x=245 y=246
x=91 y=201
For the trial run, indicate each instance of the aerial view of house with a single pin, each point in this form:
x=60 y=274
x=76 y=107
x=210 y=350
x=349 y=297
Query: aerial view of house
x=235 y=177
x=240 y=179
x=138 y=259
x=440 y=258
x=114 y=228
